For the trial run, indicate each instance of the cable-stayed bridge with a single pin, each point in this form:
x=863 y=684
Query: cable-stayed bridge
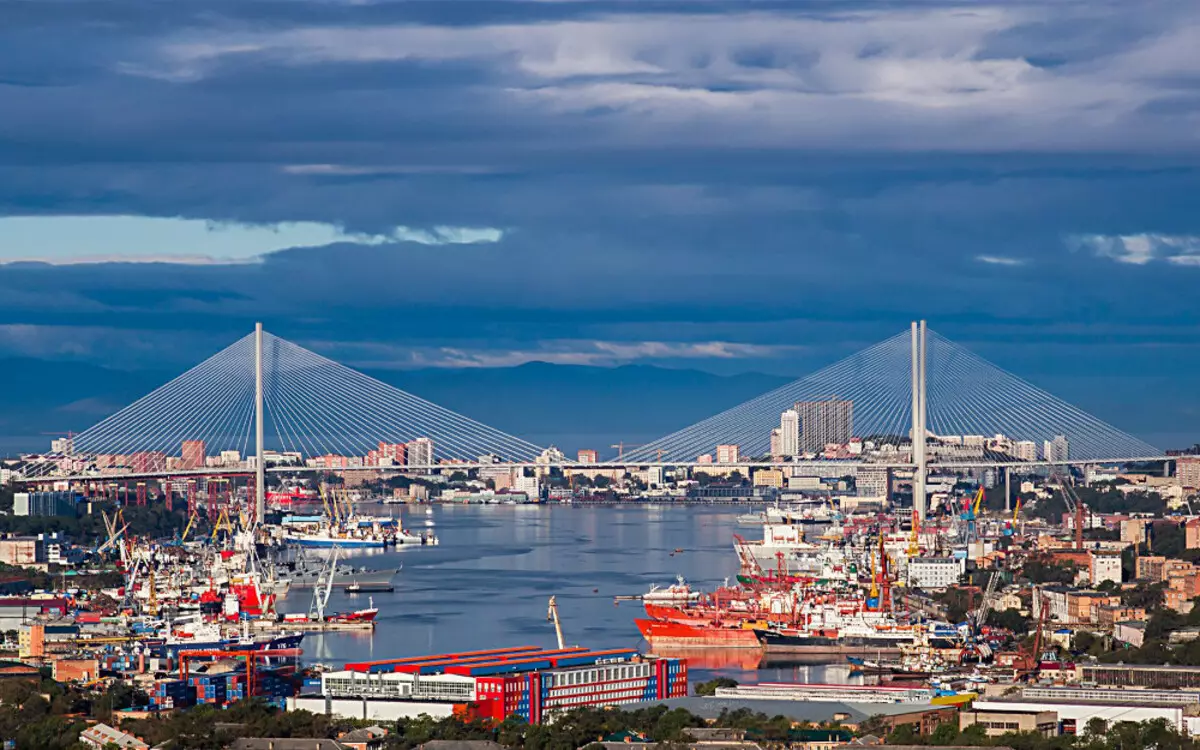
x=312 y=406
x=871 y=396
x=264 y=400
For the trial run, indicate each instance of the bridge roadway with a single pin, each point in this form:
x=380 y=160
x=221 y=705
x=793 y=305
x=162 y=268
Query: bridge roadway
x=600 y=465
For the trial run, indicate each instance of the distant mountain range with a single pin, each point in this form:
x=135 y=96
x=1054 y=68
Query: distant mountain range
x=566 y=405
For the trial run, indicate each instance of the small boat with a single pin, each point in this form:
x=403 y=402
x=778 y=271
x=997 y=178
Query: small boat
x=677 y=593
x=374 y=588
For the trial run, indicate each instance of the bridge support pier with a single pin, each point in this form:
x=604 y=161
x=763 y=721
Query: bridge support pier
x=918 y=419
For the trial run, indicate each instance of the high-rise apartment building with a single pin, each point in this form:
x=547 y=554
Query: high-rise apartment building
x=776 y=448
x=397 y=452
x=148 y=462
x=824 y=422
x=193 y=452
x=1025 y=450
x=420 y=452
x=589 y=456
x=728 y=454
x=789 y=433
x=873 y=481
x=1187 y=471
x=1056 y=449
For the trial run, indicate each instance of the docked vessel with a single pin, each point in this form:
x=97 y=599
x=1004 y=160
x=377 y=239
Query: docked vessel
x=303 y=573
x=678 y=634
x=196 y=634
x=677 y=593
x=354 y=532
x=845 y=640
x=785 y=550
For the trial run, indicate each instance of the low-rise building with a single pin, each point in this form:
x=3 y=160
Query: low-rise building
x=102 y=736
x=527 y=681
x=1157 y=676
x=1107 y=616
x=1104 y=566
x=1150 y=568
x=1133 y=633
x=1074 y=715
x=997 y=722
x=768 y=478
x=1082 y=605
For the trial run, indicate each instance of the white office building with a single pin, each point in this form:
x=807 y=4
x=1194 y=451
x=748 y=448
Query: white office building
x=1025 y=450
x=1056 y=449
x=789 y=433
x=932 y=573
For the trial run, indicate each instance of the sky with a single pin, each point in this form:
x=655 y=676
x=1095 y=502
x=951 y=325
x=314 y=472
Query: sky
x=725 y=186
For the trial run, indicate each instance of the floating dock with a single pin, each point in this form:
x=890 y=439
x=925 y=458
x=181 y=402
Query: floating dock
x=315 y=626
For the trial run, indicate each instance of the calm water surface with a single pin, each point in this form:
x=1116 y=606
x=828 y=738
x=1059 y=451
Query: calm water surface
x=488 y=583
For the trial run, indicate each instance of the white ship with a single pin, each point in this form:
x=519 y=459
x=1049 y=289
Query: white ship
x=677 y=593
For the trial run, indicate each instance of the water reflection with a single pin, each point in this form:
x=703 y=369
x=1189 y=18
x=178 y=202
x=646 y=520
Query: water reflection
x=487 y=584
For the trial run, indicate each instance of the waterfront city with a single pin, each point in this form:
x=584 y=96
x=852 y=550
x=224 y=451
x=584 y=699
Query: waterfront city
x=607 y=375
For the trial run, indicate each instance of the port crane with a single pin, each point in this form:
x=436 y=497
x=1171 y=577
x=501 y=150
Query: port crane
x=552 y=616
x=324 y=587
x=1074 y=505
x=985 y=605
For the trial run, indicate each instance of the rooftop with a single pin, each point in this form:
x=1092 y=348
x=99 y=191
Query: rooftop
x=811 y=711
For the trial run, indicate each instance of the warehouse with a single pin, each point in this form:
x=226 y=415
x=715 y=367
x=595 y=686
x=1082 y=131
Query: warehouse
x=525 y=681
x=1073 y=716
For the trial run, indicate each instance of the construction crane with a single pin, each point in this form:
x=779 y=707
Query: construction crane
x=1030 y=661
x=110 y=527
x=985 y=605
x=1074 y=506
x=622 y=445
x=552 y=616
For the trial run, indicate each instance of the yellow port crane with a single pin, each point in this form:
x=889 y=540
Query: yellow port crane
x=914 y=540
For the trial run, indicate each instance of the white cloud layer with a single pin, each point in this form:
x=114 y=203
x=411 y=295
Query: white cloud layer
x=559 y=352
x=1140 y=249
x=67 y=240
x=999 y=260
x=914 y=78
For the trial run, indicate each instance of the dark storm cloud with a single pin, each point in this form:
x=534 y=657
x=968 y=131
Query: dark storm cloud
x=728 y=185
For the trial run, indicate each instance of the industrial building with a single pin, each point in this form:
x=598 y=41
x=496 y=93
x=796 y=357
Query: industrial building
x=1074 y=715
x=525 y=681
x=999 y=723
x=1158 y=676
x=44 y=504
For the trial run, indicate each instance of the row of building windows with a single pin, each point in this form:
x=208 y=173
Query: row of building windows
x=592 y=689
x=603 y=674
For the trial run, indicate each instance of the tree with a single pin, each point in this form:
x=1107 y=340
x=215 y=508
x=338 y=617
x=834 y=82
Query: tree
x=710 y=687
x=1147 y=596
x=1009 y=619
x=946 y=733
x=903 y=735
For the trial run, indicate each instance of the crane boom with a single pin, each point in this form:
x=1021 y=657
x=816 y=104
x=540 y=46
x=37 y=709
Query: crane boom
x=552 y=615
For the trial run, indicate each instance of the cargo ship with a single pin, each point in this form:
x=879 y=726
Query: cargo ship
x=846 y=640
x=350 y=533
x=678 y=634
x=302 y=573
x=785 y=550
